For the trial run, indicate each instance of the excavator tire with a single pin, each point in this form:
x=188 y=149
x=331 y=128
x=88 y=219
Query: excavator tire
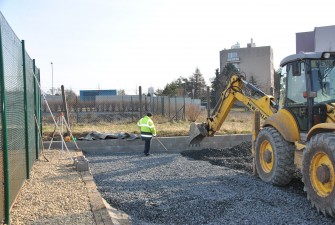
x=274 y=157
x=318 y=175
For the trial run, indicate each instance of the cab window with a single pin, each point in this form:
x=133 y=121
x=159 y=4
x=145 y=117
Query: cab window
x=296 y=86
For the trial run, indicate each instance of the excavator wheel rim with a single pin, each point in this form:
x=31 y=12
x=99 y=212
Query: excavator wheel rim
x=318 y=160
x=266 y=166
x=318 y=165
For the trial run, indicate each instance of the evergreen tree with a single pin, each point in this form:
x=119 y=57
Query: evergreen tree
x=170 y=89
x=198 y=84
x=179 y=87
x=159 y=92
x=220 y=81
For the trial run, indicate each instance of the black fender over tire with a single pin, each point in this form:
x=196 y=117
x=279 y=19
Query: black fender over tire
x=274 y=157
x=318 y=172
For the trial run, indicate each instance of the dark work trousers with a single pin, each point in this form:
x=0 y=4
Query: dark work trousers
x=147 y=143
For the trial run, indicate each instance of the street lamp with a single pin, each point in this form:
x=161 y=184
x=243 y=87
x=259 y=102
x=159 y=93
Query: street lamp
x=52 y=74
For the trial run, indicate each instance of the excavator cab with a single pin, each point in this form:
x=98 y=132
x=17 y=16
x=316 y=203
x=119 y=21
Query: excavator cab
x=307 y=86
x=307 y=94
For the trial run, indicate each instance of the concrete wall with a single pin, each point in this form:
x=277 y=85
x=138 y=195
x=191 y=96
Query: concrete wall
x=172 y=144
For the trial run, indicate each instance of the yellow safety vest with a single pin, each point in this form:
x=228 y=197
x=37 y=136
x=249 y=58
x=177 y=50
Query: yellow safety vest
x=147 y=127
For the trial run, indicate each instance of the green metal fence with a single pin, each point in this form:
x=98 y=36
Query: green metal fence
x=20 y=104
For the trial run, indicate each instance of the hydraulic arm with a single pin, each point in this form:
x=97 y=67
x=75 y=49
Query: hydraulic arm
x=237 y=90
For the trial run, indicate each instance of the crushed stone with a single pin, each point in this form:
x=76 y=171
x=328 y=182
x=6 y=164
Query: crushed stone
x=209 y=186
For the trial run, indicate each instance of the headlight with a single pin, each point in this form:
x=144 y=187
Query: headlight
x=326 y=55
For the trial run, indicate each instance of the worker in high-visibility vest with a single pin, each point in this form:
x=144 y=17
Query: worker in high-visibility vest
x=148 y=131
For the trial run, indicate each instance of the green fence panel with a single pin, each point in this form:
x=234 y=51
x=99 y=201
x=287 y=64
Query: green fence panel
x=14 y=88
x=37 y=111
x=18 y=150
x=31 y=109
x=2 y=155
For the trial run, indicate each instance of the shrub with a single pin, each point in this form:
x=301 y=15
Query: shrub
x=192 y=112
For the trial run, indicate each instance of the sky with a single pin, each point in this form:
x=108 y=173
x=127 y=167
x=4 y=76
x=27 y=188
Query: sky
x=124 y=44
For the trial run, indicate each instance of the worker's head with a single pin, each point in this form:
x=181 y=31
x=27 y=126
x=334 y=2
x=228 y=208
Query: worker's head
x=149 y=114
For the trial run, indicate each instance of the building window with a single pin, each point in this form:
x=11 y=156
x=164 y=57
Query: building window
x=232 y=55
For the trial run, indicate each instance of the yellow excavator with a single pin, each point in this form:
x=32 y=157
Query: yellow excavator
x=297 y=132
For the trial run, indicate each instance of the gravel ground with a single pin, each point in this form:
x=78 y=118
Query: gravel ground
x=211 y=186
x=54 y=194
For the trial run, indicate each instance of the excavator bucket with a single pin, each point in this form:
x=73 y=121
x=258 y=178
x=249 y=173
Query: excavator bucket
x=197 y=133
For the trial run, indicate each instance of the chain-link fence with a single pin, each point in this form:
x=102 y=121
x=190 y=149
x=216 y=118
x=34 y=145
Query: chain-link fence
x=20 y=100
x=113 y=108
x=128 y=108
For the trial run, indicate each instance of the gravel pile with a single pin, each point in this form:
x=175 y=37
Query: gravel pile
x=211 y=186
x=237 y=157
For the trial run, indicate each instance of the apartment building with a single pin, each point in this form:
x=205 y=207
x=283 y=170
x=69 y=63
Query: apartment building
x=256 y=62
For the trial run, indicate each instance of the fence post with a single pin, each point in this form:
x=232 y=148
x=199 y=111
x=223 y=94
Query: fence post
x=37 y=137
x=184 y=110
x=25 y=109
x=145 y=104
x=140 y=99
x=123 y=104
x=77 y=109
x=169 y=106
x=157 y=105
x=40 y=100
x=65 y=110
x=175 y=107
x=153 y=105
x=162 y=100
x=208 y=105
x=132 y=108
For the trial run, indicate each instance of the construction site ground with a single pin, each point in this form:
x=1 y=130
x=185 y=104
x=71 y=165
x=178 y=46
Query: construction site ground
x=185 y=185
x=202 y=186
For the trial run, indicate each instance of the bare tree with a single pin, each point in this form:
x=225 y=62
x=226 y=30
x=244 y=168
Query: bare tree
x=121 y=92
